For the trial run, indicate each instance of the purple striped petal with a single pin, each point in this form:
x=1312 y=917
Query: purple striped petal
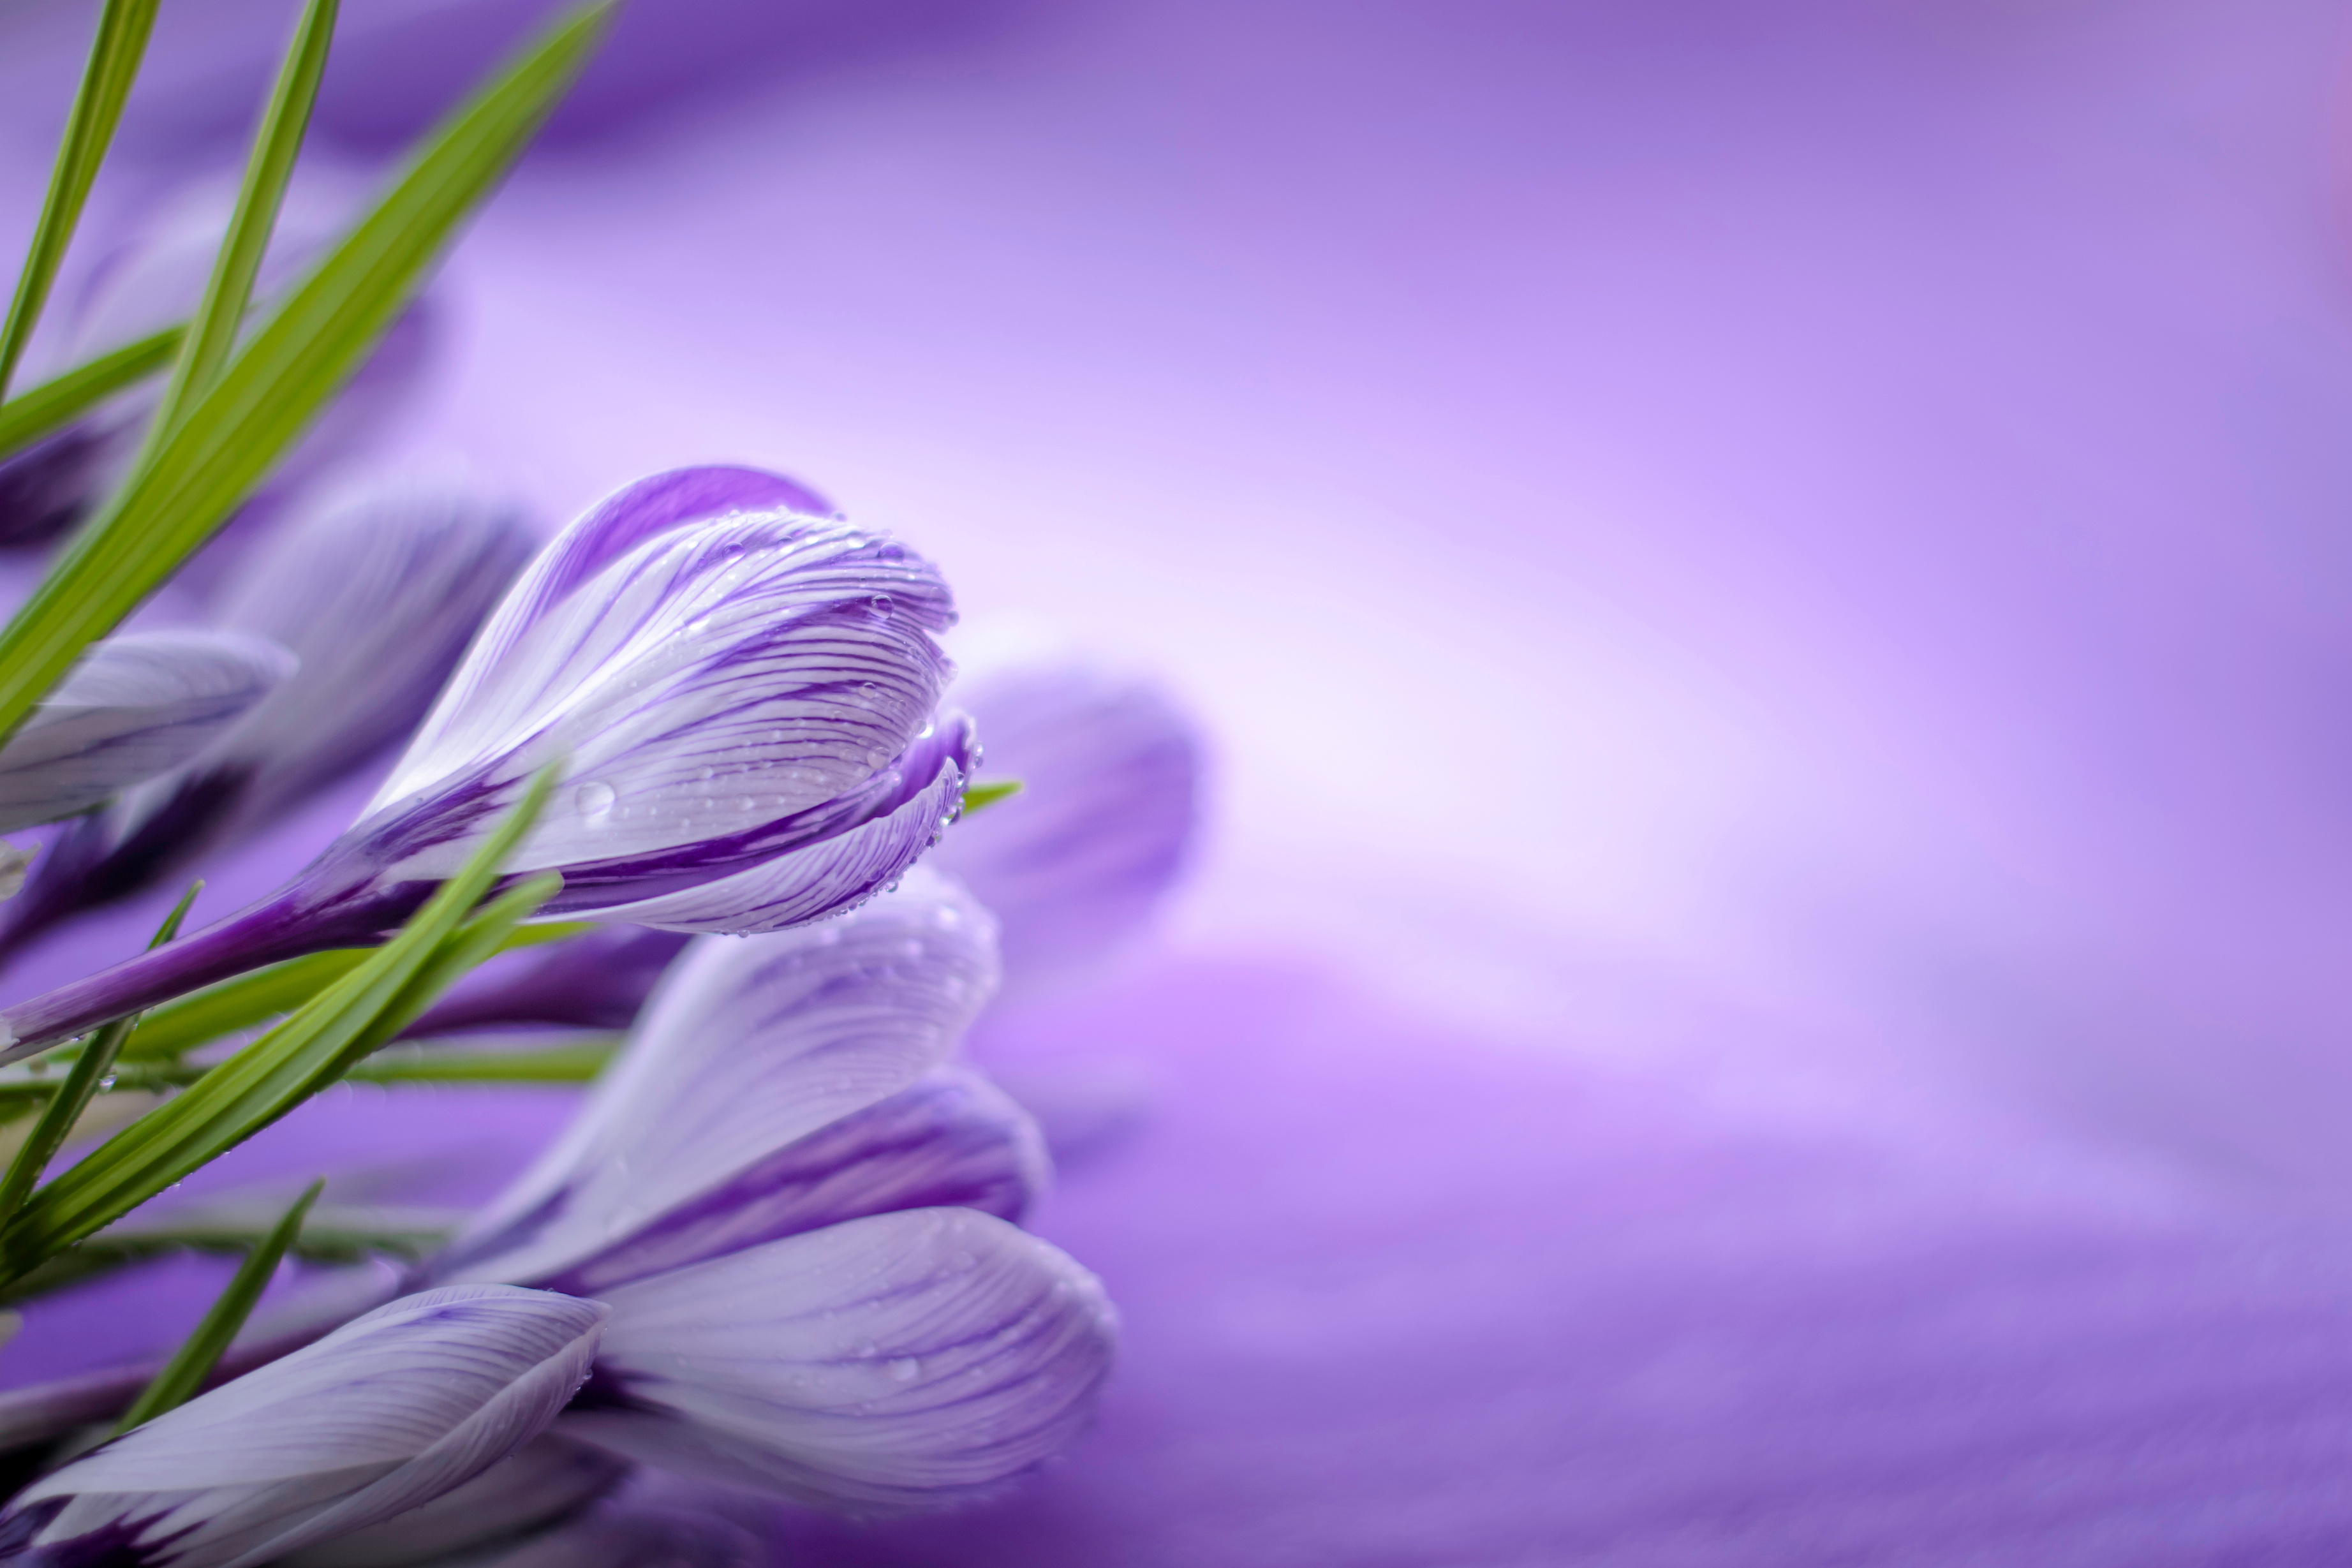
x=135 y=706
x=832 y=873
x=905 y=1361
x=546 y=1480
x=383 y=1416
x=748 y=1046
x=1110 y=768
x=954 y=1139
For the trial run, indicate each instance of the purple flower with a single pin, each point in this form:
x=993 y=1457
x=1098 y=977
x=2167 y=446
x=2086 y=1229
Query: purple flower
x=137 y=705
x=740 y=695
x=774 y=1085
x=388 y=1413
x=797 y=1206
x=1079 y=859
x=154 y=275
x=376 y=592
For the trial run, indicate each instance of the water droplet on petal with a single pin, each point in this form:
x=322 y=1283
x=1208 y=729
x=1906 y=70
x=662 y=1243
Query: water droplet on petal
x=905 y=1369
x=593 y=800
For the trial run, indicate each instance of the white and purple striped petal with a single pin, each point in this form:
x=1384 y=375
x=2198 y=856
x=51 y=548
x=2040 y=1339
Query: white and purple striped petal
x=383 y=1416
x=733 y=679
x=748 y=1046
x=908 y=1360
x=1110 y=768
x=137 y=705
x=954 y=1139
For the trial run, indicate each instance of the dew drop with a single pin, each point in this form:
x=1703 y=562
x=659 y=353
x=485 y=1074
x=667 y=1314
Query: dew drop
x=904 y=1369
x=594 y=799
x=879 y=604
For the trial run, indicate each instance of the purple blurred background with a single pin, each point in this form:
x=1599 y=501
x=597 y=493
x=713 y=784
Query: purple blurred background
x=1770 y=585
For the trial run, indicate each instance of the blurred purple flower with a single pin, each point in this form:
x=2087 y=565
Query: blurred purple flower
x=385 y=1414
x=742 y=698
x=154 y=275
x=376 y=592
x=1110 y=769
x=135 y=706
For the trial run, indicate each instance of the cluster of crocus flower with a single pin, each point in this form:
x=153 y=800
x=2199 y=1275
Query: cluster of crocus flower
x=776 y=1250
x=780 y=1250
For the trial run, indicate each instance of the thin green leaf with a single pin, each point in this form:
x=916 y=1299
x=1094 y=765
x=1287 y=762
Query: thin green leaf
x=73 y=1096
x=50 y=406
x=114 y=57
x=982 y=796
x=274 y=1074
x=202 y=1016
x=274 y=383
x=194 y=1360
x=276 y=143
x=205 y=1016
x=577 y=1062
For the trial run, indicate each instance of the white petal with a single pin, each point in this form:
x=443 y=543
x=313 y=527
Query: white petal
x=746 y=1045
x=135 y=706
x=902 y=1361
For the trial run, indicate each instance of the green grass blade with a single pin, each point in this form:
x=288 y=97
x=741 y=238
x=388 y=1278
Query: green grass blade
x=50 y=406
x=274 y=384
x=270 y=1076
x=114 y=57
x=81 y=1084
x=982 y=796
x=276 y=144
x=203 y=1016
x=576 y=1062
x=194 y=1360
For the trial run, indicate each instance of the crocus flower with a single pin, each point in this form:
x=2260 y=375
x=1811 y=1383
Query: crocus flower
x=740 y=695
x=385 y=1414
x=135 y=706
x=1110 y=769
x=774 y=1085
x=153 y=277
x=798 y=1208
x=376 y=591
